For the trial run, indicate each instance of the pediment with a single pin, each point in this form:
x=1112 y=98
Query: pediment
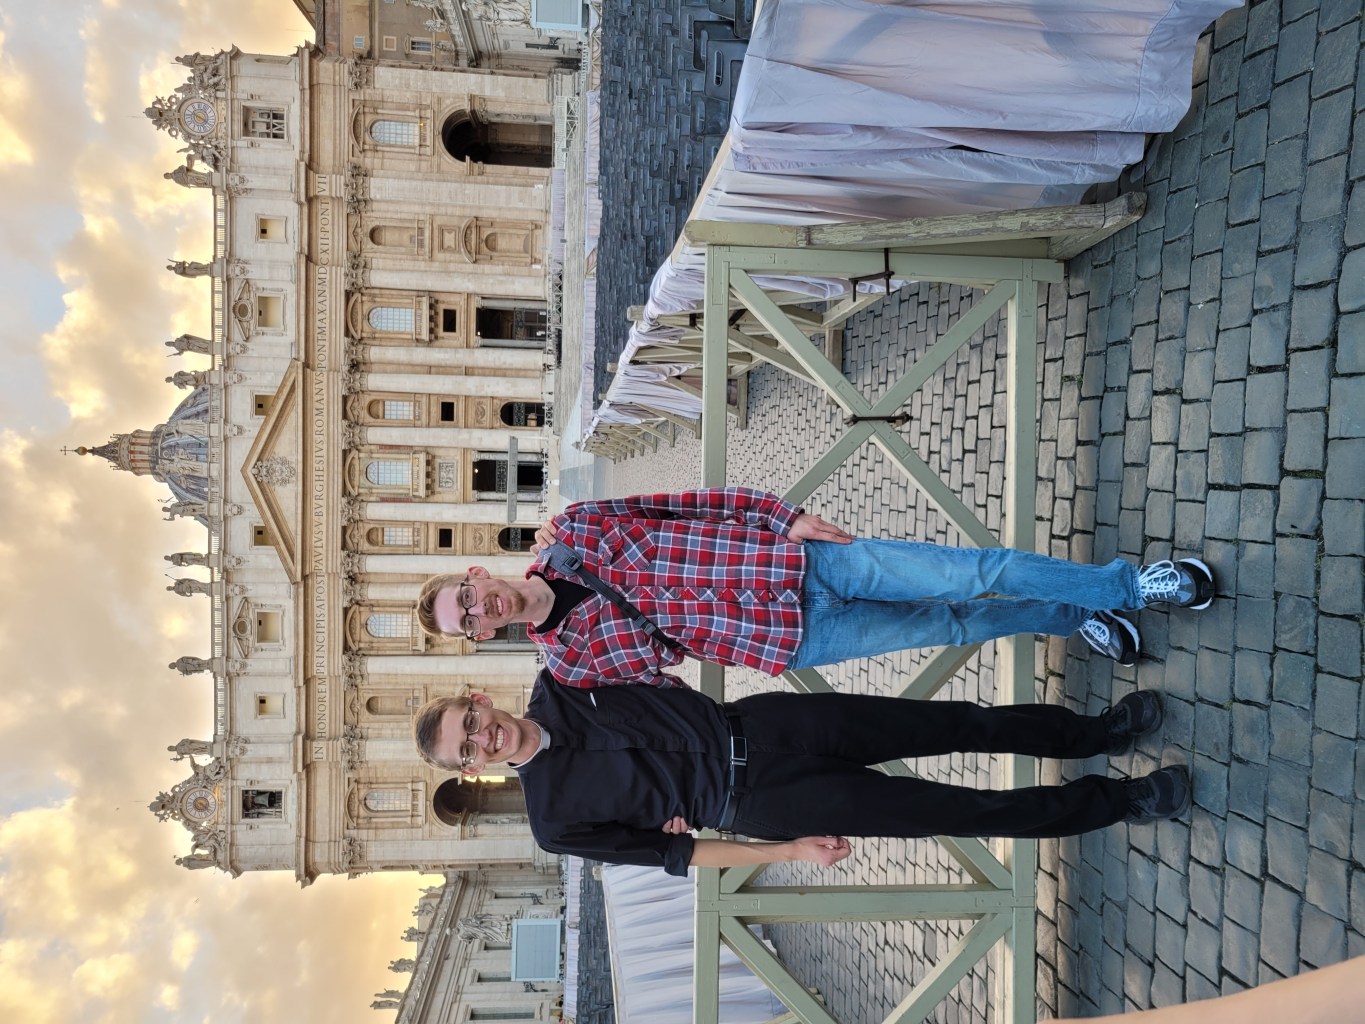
x=272 y=470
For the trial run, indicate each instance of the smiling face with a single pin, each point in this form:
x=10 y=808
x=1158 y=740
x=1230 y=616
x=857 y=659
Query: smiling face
x=479 y=605
x=498 y=738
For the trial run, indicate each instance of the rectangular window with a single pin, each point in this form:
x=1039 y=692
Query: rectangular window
x=270 y=229
x=399 y=409
x=262 y=404
x=262 y=803
x=501 y=1013
x=450 y=321
x=390 y=42
x=398 y=536
x=269 y=627
x=269 y=705
x=260 y=536
x=492 y=976
x=358 y=43
x=419 y=45
x=263 y=122
x=270 y=311
x=445 y=537
x=447 y=412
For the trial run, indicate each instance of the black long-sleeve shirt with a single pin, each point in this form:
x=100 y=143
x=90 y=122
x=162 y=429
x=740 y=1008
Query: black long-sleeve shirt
x=622 y=761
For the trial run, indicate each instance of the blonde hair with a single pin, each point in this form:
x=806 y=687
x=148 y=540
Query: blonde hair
x=426 y=602
x=426 y=727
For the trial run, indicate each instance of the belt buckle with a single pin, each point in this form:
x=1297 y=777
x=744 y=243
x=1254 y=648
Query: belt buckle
x=738 y=743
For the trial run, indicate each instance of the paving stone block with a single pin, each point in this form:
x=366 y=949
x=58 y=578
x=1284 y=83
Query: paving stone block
x=1206 y=896
x=1339 y=645
x=1320 y=253
x=1269 y=338
x=1285 y=159
x=1244 y=844
x=1279 y=219
x=1326 y=887
x=1172 y=892
x=1324 y=190
x=1256 y=624
x=1202 y=944
x=1286 y=849
x=1309 y=374
x=1329 y=126
x=1194 y=426
x=1265 y=400
x=1344 y=459
x=1174 y=307
x=1274 y=279
x=1322 y=939
x=1290 y=731
x=1329 y=823
x=1208 y=831
x=1300 y=505
x=1334 y=64
x=1286 y=791
x=1280 y=915
x=1234 y=307
x=1333 y=13
x=1346 y=414
x=1305 y=445
x=1296 y=566
x=1222 y=511
x=1239 y=250
x=1288 y=115
x=1313 y=317
x=1261 y=456
x=1294 y=48
x=1340 y=589
x=1343 y=526
x=1241 y=897
x=1257 y=78
x=1249 y=138
x=1251 y=668
x=1295 y=623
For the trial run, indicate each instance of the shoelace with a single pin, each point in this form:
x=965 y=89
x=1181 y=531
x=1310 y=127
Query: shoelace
x=1096 y=630
x=1159 y=581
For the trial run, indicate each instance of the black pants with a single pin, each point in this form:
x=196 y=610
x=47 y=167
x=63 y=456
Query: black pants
x=808 y=774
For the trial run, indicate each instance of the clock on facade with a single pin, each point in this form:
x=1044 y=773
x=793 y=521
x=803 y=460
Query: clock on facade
x=199 y=117
x=199 y=804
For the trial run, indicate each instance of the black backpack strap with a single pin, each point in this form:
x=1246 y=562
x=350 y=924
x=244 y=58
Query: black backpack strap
x=562 y=558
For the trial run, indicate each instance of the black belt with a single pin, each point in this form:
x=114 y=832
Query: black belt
x=739 y=771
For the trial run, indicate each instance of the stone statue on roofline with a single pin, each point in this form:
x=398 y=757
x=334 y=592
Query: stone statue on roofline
x=404 y=965
x=181 y=559
x=187 y=587
x=188 y=748
x=187 y=378
x=188 y=666
x=187 y=177
x=189 y=268
x=185 y=509
x=191 y=343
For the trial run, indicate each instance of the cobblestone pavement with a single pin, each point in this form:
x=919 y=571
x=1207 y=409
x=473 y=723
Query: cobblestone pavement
x=596 y=1000
x=1203 y=390
x=658 y=133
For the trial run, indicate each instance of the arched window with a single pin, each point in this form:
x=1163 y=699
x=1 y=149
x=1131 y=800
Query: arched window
x=390 y=705
x=397 y=409
x=389 y=625
x=522 y=414
x=399 y=319
x=388 y=801
x=389 y=473
x=395 y=133
x=514 y=538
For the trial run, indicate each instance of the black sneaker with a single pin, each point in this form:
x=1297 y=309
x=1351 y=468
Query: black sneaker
x=1186 y=583
x=1135 y=715
x=1166 y=793
x=1113 y=636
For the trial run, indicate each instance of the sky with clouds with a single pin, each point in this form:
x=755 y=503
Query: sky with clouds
x=97 y=924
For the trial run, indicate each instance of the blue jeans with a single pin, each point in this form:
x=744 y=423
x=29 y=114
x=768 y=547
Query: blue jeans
x=875 y=596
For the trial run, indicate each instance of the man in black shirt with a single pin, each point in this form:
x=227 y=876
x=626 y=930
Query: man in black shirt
x=616 y=773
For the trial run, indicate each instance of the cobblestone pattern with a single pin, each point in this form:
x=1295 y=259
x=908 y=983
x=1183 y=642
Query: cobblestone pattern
x=658 y=135
x=596 y=1000
x=1202 y=390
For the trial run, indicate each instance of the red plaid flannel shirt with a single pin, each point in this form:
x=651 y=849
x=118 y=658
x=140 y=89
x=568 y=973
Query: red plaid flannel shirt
x=712 y=568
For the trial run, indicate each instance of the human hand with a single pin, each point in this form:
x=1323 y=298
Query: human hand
x=809 y=527
x=823 y=850
x=545 y=536
x=677 y=826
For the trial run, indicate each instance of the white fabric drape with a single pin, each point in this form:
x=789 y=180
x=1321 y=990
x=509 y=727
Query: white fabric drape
x=650 y=917
x=853 y=110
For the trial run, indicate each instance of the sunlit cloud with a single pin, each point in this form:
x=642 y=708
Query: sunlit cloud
x=14 y=95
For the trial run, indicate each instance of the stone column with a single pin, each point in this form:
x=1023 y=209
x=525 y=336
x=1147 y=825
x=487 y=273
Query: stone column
x=480 y=358
x=454 y=437
x=490 y=513
x=498 y=565
x=530 y=388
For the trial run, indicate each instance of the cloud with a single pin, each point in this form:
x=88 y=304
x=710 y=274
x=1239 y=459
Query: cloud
x=99 y=924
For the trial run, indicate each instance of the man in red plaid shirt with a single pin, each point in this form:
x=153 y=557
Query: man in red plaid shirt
x=741 y=577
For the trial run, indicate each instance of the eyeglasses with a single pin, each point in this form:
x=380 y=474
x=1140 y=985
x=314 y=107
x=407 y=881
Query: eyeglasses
x=469 y=750
x=465 y=598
